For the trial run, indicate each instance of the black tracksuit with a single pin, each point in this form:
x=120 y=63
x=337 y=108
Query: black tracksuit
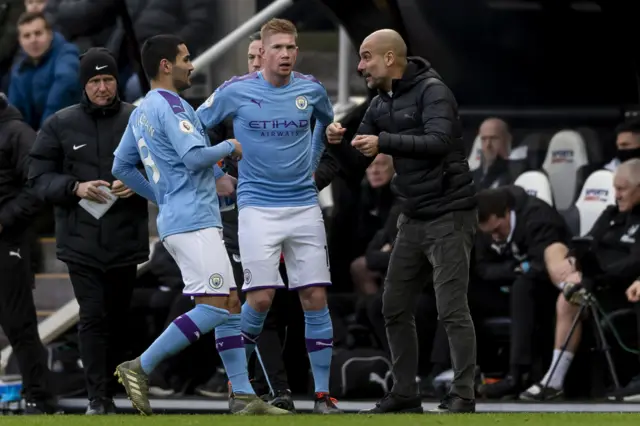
x=76 y=145
x=531 y=296
x=18 y=208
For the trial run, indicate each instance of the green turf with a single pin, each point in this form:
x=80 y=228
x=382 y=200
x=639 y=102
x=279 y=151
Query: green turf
x=528 y=419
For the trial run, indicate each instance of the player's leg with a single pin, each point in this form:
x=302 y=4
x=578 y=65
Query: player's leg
x=307 y=260
x=193 y=253
x=260 y=239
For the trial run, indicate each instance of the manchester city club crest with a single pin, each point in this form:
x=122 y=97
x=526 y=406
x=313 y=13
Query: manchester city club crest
x=216 y=281
x=301 y=102
x=247 y=276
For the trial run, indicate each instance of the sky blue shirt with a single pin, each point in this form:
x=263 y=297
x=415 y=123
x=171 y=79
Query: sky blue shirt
x=273 y=125
x=161 y=130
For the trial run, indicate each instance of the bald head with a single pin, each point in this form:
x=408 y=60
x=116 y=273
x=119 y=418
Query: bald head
x=387 y=40
x=496 y=140
x=383 y=57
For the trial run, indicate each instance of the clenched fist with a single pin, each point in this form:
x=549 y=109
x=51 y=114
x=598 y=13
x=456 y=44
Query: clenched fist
x=334 y=133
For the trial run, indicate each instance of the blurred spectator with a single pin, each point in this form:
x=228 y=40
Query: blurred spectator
x=72 y=160
x=85 y=23
x=45 y=78
x=632 y=389
x=18 y=207
x=10 y=11
x=35 y=6
x=494 y=161
x=188 y=19
x=375 y=206
x=627 y=144
x=516 y=228
x=627 y=147
x=617 y=250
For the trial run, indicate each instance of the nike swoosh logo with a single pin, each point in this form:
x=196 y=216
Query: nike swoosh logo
x=101 y=68
x=77 y=147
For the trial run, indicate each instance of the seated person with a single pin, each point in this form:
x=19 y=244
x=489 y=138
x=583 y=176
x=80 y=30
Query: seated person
x=494 y=160
x=617 y=248
x=632 y=389
x=515 y=230
x=376 y=229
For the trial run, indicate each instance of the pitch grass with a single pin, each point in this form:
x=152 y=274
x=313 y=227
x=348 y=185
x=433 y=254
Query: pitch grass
x=507 y=419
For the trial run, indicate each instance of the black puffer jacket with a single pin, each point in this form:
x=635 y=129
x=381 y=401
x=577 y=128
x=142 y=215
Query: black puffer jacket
x=10 y=11
x=76 y=145
x=419 y=127
x=18 y=203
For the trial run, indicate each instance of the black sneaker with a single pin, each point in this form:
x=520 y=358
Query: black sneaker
x=507 y=388
x=454 y=404
x=100 y=406
x=110 y=406
x=324 y=404
x=392 y=403
x=216 y=387
x=159 y=386
x=629 y=393
x=284 y=400
x=39 y=407
x=538 y=392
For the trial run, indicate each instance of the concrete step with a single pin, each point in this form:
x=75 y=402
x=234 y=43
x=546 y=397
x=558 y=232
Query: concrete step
x=53 y=290
x=50 y=263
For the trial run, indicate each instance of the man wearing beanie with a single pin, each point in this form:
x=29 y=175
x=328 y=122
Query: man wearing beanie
x=18 y=207
x=71 y=165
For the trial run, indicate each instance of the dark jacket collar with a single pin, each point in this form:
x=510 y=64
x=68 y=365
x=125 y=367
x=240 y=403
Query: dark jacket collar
x=100 y=111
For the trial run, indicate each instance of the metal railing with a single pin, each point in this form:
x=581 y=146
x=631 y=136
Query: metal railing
x=344 y=102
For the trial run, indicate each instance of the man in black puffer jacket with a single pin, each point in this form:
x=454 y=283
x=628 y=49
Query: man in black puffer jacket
x=71 y=160
x=18 y=207
x=414 y=119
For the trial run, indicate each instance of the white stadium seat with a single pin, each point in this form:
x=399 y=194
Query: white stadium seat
x=475 y=155
x=566 y=154
x=537 y=184
x=596 y=195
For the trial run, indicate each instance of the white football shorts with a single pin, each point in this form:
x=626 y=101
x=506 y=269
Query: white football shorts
x=298 y=232
x=203 y=262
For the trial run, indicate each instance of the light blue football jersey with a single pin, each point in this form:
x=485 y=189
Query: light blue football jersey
x=161 y=130
x=273 y=124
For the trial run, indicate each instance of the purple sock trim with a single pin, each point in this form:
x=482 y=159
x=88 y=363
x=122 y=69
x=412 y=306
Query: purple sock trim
x=229 y=342
x=188 y=327
x=314 y=345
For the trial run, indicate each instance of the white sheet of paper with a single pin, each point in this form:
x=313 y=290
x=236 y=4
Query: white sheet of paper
x=98 y=210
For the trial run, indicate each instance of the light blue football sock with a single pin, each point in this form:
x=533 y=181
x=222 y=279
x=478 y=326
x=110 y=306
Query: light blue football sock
x=182 y=332
x=319 y=339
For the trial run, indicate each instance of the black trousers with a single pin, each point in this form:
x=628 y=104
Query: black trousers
x=104 y=298
x=283 y=327
x=18 y=319
x=441 y=248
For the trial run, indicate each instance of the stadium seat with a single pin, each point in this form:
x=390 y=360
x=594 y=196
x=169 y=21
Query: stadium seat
x=529 y=154
x=475 y=155
x=597 y=193
x=566 y=154
x=537 y=184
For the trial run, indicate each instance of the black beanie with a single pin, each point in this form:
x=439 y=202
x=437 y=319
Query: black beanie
x=97 y=61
